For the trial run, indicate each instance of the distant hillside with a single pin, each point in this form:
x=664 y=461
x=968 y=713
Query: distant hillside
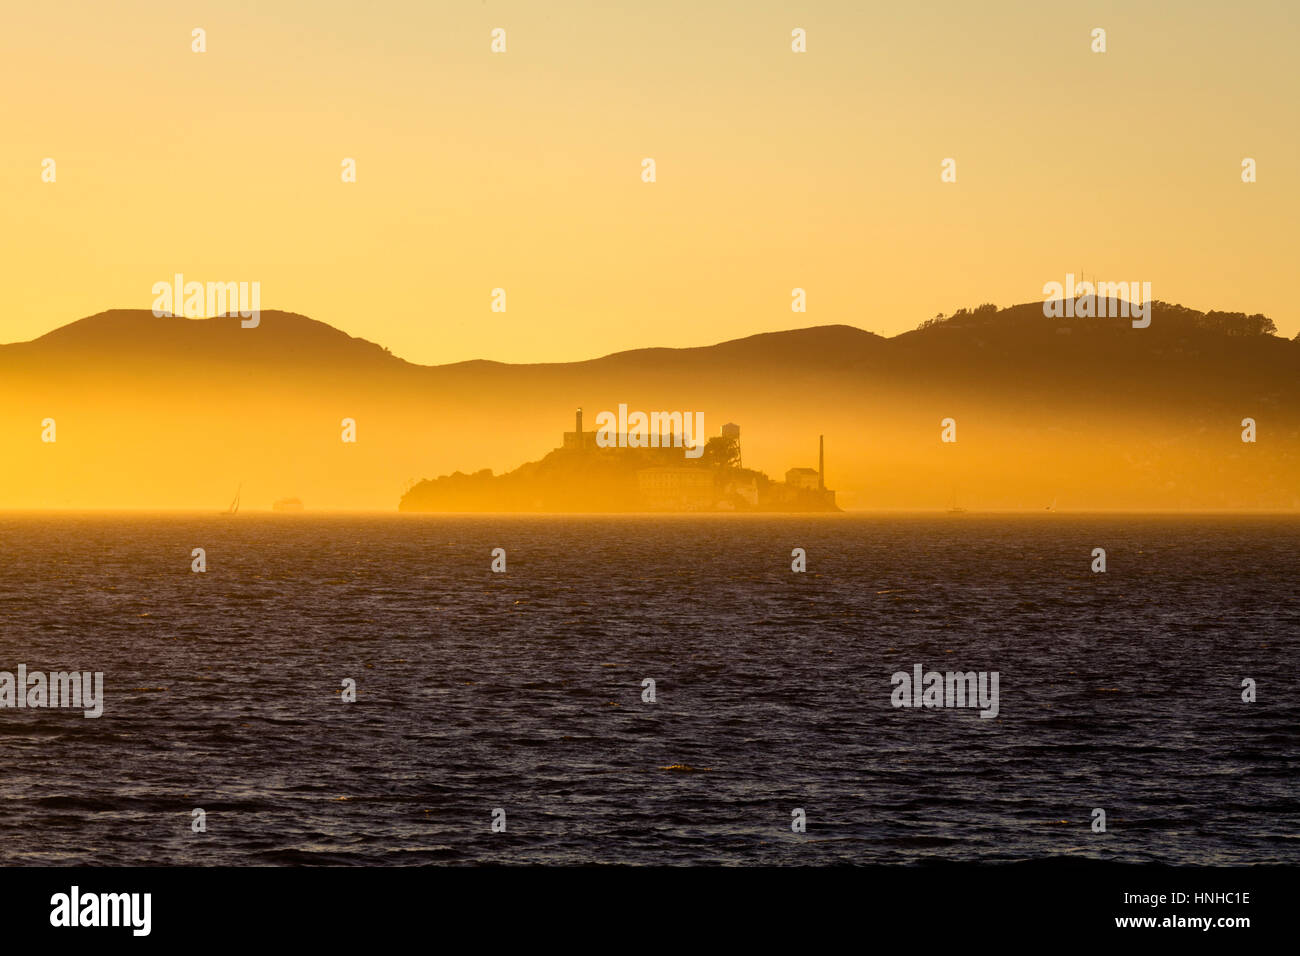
x=168 y=412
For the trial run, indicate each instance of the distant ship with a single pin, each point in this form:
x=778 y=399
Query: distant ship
x=288 y=505
x=234 y=505
x=1052 y=506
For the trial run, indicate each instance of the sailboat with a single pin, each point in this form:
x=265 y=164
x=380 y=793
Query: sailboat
x=1052 y=506
x=956 y=509
x=234 y=505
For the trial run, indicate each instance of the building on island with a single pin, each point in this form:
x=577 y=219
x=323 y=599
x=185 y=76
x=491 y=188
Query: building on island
x=680 y=488
x=799 y=480
x=717 y=481
x=806 y=478
x=743 y=489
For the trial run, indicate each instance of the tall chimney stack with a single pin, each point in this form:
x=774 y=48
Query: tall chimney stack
x=821 y=462
x=578 y=427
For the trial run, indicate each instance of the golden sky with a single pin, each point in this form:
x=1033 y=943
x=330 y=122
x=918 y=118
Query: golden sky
x=522 y=170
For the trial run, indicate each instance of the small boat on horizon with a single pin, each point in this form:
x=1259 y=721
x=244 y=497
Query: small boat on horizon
x=234 y=505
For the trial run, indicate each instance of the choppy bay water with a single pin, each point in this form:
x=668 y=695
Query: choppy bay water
x=523 y=690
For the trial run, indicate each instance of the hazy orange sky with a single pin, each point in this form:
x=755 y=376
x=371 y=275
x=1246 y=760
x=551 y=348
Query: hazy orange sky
x=522 y=170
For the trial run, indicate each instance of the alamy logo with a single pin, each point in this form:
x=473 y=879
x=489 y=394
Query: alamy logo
x=950 y=689
x=653 y=430
x=77 y=689
x=194 y=300
x=1101 y=300
x=103 y=909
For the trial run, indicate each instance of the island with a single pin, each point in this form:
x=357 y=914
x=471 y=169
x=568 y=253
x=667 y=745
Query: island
x=582 y=476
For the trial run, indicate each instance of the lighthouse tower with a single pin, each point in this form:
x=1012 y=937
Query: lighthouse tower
x=576 y=439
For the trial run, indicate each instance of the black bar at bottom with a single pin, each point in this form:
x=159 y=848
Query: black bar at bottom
x=944 y=904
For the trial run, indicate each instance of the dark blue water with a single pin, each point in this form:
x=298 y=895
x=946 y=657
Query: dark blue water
x=522 y=690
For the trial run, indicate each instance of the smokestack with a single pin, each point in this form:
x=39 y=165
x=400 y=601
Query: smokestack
x=578 y=426
x=821 y=462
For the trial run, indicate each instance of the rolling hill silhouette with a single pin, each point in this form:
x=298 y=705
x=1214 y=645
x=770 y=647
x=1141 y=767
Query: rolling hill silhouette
x=172 y=412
